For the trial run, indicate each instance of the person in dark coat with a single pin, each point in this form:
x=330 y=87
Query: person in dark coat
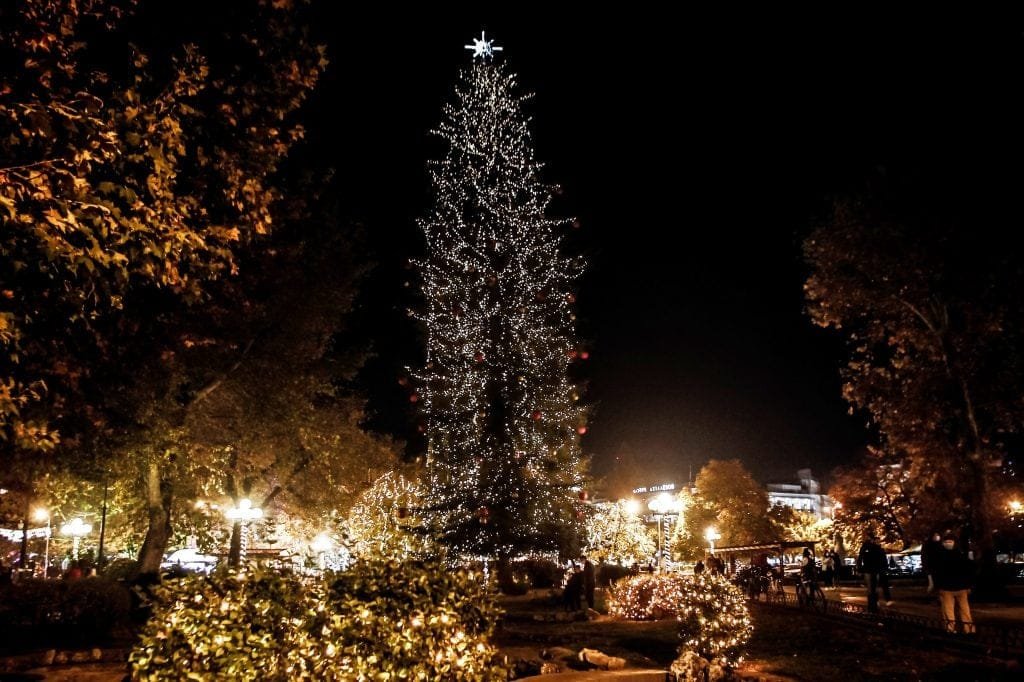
x=573 y=592
x=589 y=581
x=953 y=573
x=871 y=563
x=929 y=550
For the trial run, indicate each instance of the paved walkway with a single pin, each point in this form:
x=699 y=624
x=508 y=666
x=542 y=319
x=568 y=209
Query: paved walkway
x=914 y=600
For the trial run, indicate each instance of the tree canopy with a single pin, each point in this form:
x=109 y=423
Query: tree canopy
x=924 y=287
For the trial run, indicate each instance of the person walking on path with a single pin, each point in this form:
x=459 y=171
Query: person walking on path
x=872 y=565
x=589 y=581
x=953 y=573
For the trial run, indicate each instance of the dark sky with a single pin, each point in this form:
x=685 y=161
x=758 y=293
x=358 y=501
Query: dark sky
x=696 y=151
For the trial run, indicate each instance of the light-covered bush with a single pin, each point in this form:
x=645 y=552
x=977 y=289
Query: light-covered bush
x=417 y=620
x=377 y=621
x=238 y=626
x=712 y=612
x=647 y=596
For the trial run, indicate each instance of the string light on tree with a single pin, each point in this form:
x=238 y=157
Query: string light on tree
x=502 y=423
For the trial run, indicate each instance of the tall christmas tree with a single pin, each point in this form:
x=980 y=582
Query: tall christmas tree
x=505 y=475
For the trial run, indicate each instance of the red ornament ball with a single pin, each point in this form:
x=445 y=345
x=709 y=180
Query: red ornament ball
x=584 y=496
x=403 y=381
x=571 y=298
x=479 y=357
x=584 y=355
x=414 y=398
x=536 y=415
x=581 y=430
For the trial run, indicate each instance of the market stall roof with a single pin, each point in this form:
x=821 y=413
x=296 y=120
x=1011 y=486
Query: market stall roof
x=767 y=547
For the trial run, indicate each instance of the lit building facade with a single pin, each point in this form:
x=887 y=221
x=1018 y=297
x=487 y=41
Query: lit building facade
x=804 y=495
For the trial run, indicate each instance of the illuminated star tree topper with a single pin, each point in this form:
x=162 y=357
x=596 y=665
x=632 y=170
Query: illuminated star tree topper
x=483 y=48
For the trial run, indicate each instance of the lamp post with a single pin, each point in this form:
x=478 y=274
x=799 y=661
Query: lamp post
x=77 y=529
x=664 y=506
x=712 y=534
x=321 y=545
x=242 y=515
x=43 y=515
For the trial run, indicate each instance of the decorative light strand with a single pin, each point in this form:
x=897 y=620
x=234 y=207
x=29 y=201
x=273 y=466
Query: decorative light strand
x=502 y=417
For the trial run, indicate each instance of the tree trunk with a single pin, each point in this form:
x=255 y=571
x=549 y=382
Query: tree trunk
x=235 y=552
x=506 y=581
x=24 y=539
x=158 y=534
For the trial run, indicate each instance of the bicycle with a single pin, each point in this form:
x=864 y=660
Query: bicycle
x=808 y=592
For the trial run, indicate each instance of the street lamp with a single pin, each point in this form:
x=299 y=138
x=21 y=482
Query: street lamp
x=243 y=514
x=664 y=506
x=711 y=534
x=77 y=529
x=321 y=545
x=43 y=515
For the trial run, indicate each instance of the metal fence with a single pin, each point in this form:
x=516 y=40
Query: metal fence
x=994 y=638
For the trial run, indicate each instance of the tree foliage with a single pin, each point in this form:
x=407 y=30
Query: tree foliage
x=927 y=299
x=615 y=535
x=384 y=522
x=731 y=501
x=137 y=183
x=898 y=498
x=121 y=181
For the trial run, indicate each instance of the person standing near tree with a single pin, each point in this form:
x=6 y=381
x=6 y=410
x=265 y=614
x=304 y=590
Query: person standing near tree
x=589 y=581
x=929 y=551
x=872 y=565
x=954 y=576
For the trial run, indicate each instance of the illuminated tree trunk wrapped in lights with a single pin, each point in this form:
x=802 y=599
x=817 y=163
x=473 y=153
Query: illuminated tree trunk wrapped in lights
x=503 y=423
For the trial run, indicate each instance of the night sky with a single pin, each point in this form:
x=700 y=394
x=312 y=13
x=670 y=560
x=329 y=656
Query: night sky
x=696 y=153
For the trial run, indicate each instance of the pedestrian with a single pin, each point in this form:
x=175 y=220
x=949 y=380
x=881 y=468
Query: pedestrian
x=929 y=550
x=872 y=565
x=75 y=572
x=698 y=567
x=573 y=592
x=954 y=577
x=589 y=581
x=828 y=563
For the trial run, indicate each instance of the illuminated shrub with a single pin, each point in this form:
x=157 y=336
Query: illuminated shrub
x=712 y=612
x=648 y=596
x=380 y=620
x=415 y=620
